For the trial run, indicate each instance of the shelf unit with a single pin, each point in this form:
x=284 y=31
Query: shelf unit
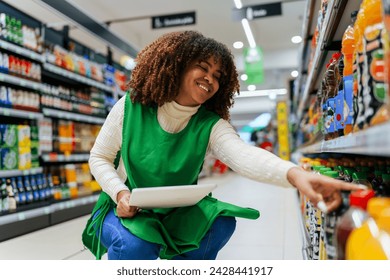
x=373 y=141
x=47 y=214
x=38 y=215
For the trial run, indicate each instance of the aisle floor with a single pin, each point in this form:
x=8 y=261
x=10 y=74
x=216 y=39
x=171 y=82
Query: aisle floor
x=276 y=235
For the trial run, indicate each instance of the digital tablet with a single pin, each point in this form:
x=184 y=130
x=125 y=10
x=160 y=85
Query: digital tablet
x=169 y=196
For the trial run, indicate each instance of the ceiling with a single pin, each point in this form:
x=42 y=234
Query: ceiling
x=213 y=19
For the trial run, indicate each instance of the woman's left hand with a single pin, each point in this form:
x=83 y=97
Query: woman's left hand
x=322 y=191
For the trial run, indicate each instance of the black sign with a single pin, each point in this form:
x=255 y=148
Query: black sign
x=258 y=11
x=173 y=20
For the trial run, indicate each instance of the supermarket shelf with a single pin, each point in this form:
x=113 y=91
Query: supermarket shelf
x=76 y=77
x=20 y=82
x=15 y=224
x=55 y=157
x=71 y=116
x=21 y=51
x=9 y=112
x=372 y=141
x=15 y=173
x=333 y=27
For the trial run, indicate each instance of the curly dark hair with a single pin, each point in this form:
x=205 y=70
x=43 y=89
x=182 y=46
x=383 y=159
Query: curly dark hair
x=155 y=79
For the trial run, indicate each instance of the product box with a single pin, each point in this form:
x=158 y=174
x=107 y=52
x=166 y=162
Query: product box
x=9 y=158
x=24 y=158
x=9 y=136
x=24 y=136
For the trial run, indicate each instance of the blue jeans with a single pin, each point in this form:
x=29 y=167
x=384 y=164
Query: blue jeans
x=123 y=245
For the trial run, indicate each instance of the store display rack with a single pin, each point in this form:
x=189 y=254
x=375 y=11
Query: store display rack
x=41 y=214
x=48 y=214
x=372 y=141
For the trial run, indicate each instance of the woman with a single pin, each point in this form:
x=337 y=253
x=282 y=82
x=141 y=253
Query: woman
x=175 y=112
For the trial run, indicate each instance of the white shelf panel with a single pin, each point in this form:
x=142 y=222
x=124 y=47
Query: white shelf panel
x=54 y=157
x=9 y=112
x=21 y=51
x=76 y=77
x=372 y=141
x=15 y=173
x=72 y=116
x=20 y=82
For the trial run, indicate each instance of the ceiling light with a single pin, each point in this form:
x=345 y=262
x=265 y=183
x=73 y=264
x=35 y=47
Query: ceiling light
x=248 y=33
x=294 y=73
x=238 y=4
x=264 y=92
x=296 y=39
x=251 y=87
x=244 y=77
x=238 y=45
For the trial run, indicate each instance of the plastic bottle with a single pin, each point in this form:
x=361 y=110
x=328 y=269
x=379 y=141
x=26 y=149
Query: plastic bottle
x=358 y=69
x=351 y=219
x=11 y=196
x=357 y=244
x=360 y=178
x=377 y=246
x=331 y=219
x=374 y=88
x=347 y=49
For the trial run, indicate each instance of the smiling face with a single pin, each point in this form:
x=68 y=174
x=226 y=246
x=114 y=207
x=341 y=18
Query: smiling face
x=199 y=82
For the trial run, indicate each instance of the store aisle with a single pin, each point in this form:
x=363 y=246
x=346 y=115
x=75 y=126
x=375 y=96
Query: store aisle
x=275 y=235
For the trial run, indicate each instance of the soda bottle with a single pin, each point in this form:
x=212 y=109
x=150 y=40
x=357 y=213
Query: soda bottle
x=351 y=219
x=358 y=244
x=347 y=49
x=10 y=196
x=21 y=191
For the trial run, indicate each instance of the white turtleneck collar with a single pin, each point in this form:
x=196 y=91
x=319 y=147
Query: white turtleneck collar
x=173 y=117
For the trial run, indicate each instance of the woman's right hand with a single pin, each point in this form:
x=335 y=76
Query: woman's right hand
x=123 y=208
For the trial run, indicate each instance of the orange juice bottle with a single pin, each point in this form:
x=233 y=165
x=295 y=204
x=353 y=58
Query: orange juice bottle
x=373 y=74
x=360 y=244
x=348 y=49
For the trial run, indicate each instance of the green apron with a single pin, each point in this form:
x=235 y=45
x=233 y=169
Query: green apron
x=154 y=157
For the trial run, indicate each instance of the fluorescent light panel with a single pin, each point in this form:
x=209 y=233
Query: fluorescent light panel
x=264 y=92
x=248 y=33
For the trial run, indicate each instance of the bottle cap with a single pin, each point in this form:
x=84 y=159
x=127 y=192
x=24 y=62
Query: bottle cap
x=332 y=174
x=360 y=198
x=359 y=175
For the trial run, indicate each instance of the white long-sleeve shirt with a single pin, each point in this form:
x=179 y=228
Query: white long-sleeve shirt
x=224 y=144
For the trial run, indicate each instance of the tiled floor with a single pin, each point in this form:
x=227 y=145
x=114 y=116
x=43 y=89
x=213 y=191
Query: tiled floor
x=275 y=235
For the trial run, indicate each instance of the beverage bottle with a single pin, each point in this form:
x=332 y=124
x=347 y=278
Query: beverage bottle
x=383 y=113
x=384 y=188
x=21 y=191
x=10 y=196
x=358 y=65
x=347 y=49
x=15 y=191
x=331 y=219
x=351 y=219
x=339 y=100
x=332 y=81
x=357 y=244
x=28 y=190
x=3 y=205
x=360 y=178
x=374 y=88
x=34 y=188
x=41 y=187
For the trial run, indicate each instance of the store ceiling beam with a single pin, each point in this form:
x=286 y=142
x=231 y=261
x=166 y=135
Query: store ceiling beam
x=96 y=28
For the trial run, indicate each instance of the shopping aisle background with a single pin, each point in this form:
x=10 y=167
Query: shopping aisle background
x=275 y=235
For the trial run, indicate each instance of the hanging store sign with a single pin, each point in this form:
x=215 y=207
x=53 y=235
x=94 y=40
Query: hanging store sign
x=173 y=20
x=258 y=11
x=253 y=65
